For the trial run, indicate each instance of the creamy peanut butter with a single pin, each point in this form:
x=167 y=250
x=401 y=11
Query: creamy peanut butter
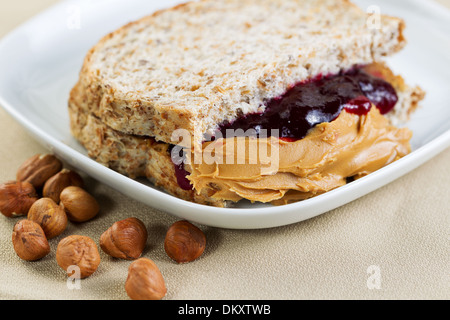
x=349 y=146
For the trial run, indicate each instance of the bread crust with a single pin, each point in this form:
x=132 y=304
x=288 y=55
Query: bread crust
x=320 y=36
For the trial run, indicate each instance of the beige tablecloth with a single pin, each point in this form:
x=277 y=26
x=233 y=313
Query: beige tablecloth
x=390 y=244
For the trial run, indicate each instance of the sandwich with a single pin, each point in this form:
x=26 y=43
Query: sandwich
x=272 y=101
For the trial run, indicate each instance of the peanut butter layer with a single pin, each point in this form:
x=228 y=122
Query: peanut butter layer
x=281 y=172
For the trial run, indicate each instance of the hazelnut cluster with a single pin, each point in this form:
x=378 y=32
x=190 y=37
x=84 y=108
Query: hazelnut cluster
x=49 y=196
x=64 y=199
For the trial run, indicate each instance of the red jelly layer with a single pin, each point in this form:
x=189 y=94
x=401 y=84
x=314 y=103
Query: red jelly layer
x=308 y=104
x=181 y=175
x=180 y=172
x=320 y=100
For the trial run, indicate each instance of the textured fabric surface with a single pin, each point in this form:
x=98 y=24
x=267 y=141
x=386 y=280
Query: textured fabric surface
x=398 y=234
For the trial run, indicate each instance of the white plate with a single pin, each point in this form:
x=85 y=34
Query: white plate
x=40 y=61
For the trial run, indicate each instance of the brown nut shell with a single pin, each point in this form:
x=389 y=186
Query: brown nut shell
x=29 y=241
x=16 y=198
x=78 y=251
x=38 y=169
x=145 y=281
x=125 y=239
x=184 y=242
x=51 y=217
x=79 y=205
x=56 y=184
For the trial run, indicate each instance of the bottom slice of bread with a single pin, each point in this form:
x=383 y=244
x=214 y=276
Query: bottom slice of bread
x=133 y=156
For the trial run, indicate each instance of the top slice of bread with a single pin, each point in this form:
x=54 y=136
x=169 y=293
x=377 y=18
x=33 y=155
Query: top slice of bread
x=201 y=63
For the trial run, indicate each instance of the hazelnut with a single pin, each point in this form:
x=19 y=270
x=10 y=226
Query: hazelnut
x=38 y=169
x=49 y=216
x=16 y=198
x=29 y=241
x=78 y=251
x=145 y=281
x=79 y=205
x=56 y=184
x=125 y=239
x=184 y=242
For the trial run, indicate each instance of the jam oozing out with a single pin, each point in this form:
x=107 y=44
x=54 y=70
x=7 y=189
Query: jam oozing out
x=320 y=100
x=181 y=174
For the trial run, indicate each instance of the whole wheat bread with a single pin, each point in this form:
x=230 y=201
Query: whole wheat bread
x=198 y=64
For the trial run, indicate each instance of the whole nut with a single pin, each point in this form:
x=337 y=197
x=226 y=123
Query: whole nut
x=125 y=239
x=79 y=251
x=49 y=216
x=29 y=241
x=38 y=169
x=79 y=205
x=56 y=184
x=145 y=281
x=16 y=198
x=184 y=242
